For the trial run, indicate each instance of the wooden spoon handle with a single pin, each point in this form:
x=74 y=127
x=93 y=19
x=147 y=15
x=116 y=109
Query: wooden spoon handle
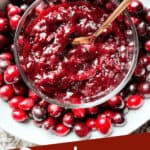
x=112 y=17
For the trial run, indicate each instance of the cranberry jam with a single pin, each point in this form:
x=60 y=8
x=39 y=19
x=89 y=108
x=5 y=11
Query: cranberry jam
x=74 y=73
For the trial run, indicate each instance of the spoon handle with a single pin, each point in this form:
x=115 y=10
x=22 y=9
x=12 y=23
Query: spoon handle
x=112 y=17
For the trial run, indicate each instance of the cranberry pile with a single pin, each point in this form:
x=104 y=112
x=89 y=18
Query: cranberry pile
x=26 y=105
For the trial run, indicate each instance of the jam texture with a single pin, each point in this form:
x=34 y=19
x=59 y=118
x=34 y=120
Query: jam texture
x=74 y=73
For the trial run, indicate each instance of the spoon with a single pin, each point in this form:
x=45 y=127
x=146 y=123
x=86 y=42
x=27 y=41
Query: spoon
x=110 y=19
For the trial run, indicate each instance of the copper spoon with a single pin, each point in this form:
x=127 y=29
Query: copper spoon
x=110 y=19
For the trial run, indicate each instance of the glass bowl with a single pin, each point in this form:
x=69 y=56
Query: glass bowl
x=88 y=101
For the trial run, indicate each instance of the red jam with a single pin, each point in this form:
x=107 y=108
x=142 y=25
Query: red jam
x=66 y=72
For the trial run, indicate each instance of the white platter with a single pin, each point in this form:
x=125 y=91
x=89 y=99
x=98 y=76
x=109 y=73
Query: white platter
x=29 y=132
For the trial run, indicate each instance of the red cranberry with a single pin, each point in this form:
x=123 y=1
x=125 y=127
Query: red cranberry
x=68 y=119
x=13 y=21
x=142 y=29
x=132 y=88
x=43 y=103
x=48 y=124
x=147 y=17
x=144 y=87
x=115 y=101
x=139 y=71
x=11 y=74
x=6 y=56
x=13 y=10
x=147 y=45
x=135 y=7
x=82 y=130
x=144 y=60
x=118 y=119
x=39 y=113
x=79 y=112
x=108 y=113
x=23 y=7
x=33 y=95
x=91 y=123
x=54 y=110
x=14 y=102
x=134 y=101
x=4 y=64
x=26 y=104
x=103 y=124
x=93 y=110
x=3 y=41
x=6 y=92
x=61 y=130
x=20 y=88
x=1 y=79
x=19 y=115
x=3 y=24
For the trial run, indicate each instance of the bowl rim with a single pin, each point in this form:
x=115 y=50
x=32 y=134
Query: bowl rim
x=115 y=91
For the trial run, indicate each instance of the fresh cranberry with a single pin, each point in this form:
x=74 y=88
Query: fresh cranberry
x=20 y=88
x=3 y=24
x=148 y=16
x=108 y=113
x=14 y=102
x=23 y=7
x=1 y=79
x=4 y=64
x=134 y=101
x=6 y=92
x=3 y=41
x=33 y=95
x=68 y=119
x=11 y=74
x=115 y=101
x=43 y=103
x=61 y=130
x=82 y=130
x=13 y=21
x=91 y=123
x=48 y=124
x=142 y=29
x=118 y=119
x=79 y=112
x=39 y=113
x=103 y=124
x=147 y=45
x=54 y=110
x=135 y=7
x=144 y=87
x=144 y=60
x=6 y=56
x=19 y=115
x=93 y=110
x=139 y=71
x=13 y=10
x=132 y=88
x=26 y=104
